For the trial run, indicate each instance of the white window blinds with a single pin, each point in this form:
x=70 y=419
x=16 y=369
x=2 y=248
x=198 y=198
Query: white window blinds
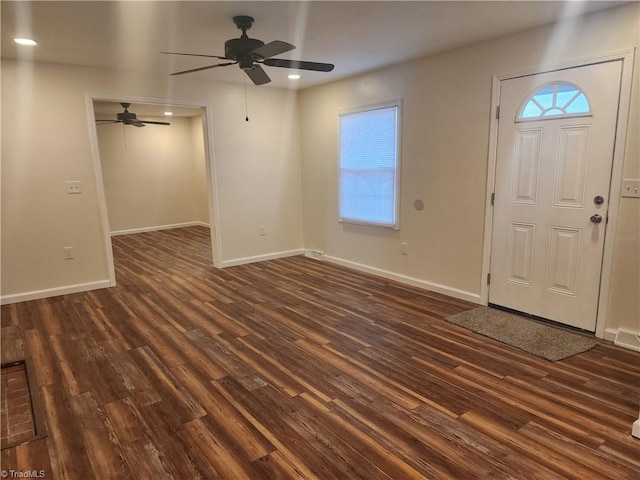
x=369 y=166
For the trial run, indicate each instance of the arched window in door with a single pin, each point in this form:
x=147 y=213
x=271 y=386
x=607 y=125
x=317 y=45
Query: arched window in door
x=557 y=99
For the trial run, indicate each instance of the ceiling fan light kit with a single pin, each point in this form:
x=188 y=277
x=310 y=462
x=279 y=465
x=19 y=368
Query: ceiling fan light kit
x=249 y=53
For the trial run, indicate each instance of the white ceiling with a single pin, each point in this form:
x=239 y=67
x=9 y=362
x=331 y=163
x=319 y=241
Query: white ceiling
x=355 y=36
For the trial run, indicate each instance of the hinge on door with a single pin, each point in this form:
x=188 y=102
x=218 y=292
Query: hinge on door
x=497 y=112
x=488 y=278
x=493 y=198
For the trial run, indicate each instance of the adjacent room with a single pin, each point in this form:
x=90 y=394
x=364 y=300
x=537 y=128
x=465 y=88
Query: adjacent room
x=316 y=239
x=153 y=177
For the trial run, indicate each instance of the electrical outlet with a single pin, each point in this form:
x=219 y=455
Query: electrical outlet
x=73 y=186
x=68 y=253
x=404 y=248
x=263 y=230
x=630 y=188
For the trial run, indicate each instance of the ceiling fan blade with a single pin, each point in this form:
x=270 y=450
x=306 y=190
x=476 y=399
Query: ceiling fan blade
x=155 y=123
x=272 y=49
x=204 y=68
x=196 y=55
x=258 y=75
x=137 y=123
x=298 y=64
x=105 y=122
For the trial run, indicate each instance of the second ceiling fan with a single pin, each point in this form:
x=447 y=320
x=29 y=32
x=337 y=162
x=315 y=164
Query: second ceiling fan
x=250 y=53
x=129 y=118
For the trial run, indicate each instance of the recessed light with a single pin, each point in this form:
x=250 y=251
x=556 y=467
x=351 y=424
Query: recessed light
x=25 y=41
x=168 y=114
x=294 y=76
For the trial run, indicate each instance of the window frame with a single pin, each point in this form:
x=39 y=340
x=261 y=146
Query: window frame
x=394 y=103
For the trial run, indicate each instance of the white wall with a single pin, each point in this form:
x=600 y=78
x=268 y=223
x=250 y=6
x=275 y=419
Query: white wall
x=46 y=141
x=445 y=138
x=153 y=176
x=199 y=171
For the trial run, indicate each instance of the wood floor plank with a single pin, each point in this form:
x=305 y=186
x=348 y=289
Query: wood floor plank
x=227 y=463
x=384 y=458
x=276 y=467
x=68 y=453
x=32 y=456
x=263 y=366
x=39 y=349
x=301 y=369
x=596 y=464
x=194 y=454
x=105 y=455
x=270 y=422
x=547 y=462
x=11 y=344
x=153 y=427
x=166 y=386
x=227 y=420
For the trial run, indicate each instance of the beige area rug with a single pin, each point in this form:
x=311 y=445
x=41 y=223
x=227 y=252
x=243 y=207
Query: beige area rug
x=546 y=341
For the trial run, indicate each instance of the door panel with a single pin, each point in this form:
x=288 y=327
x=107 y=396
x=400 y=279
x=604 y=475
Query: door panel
x=546 y=254
x=572 y=158
x=562 y=270
x=520 y=248
x=526 y=166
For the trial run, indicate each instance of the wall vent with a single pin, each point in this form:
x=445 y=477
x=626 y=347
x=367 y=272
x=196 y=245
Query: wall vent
x=628 y=339
x=315 y=254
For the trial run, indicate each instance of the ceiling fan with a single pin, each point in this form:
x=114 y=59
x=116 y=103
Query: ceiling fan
x=249 y=53
x=129 y=118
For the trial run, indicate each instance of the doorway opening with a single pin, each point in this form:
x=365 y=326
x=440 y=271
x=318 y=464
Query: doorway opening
x=155 y=172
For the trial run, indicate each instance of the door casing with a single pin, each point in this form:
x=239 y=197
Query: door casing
x=627 y=59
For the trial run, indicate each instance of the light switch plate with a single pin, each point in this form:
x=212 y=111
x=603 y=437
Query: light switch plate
x=630 y=188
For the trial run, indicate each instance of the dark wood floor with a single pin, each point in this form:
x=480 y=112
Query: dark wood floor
x=295 y=368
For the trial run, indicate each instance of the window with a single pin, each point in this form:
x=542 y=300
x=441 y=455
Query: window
x=369 y=165
x=554 y=100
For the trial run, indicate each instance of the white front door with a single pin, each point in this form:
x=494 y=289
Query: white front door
x=556 y=136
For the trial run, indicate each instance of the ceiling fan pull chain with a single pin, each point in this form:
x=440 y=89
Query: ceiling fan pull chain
x=246 y=103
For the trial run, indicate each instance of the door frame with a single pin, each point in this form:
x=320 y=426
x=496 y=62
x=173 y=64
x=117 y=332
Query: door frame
x=210 y=168
x=627 y=58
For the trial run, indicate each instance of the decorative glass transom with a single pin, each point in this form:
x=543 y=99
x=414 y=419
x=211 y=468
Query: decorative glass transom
x=554 y=100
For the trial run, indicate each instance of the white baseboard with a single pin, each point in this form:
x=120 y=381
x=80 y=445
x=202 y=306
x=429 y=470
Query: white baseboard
x=261 y=258
x=157 y=228
x=53 y=292
x=415 y=282
x=610 y=334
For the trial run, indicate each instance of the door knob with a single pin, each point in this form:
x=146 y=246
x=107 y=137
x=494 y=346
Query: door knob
x=597 y=218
